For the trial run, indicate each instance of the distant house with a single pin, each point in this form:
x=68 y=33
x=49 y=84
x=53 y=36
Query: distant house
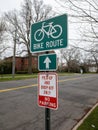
x=92 y=68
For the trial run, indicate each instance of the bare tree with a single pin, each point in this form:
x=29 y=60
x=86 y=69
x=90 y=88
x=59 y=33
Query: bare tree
x=72 y=57
x=2 y=29
x=2 y=36
x=30 y=13
x=12 y=22
x=84 y=13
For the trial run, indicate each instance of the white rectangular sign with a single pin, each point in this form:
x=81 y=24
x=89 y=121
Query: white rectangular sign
x=48 y=90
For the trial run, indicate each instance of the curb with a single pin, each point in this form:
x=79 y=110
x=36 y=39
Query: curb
x=81 y=121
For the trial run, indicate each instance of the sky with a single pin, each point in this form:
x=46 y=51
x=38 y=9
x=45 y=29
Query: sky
x=6 y=5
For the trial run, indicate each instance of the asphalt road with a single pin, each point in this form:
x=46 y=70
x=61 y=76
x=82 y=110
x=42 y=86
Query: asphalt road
x=19 y=109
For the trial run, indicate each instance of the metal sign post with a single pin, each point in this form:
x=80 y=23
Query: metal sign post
x=47 y=119
x=48 y=94
x=47 y=115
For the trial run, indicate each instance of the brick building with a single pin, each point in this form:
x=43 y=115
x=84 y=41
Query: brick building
x=21 y=63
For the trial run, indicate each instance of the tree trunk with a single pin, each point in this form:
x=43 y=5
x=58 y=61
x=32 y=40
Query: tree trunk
x=14 y=54
x=68 y=67
x=97 y=68
x=29 y=63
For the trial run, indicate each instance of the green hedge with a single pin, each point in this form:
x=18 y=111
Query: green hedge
x=6 y=68
x=21 y=72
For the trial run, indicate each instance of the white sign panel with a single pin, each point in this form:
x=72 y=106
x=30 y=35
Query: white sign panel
x=48 y=90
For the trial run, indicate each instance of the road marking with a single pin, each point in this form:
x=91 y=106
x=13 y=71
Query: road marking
x=64 y=80
x=22 y=87
x=68 y=79
x=29 y=86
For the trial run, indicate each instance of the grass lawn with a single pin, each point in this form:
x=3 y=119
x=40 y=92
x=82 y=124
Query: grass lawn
x=8 y=77
x=91 y=122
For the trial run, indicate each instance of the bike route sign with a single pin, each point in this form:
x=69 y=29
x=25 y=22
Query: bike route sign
x=49 y=34
x=47 y=62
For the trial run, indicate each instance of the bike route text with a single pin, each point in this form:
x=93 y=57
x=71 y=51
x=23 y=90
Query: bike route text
x=49 y=44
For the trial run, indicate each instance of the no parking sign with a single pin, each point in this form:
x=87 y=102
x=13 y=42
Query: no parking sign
x=48 y=90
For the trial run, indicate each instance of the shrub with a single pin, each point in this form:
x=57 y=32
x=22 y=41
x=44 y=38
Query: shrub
x=21 y=72
x=6 y=68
